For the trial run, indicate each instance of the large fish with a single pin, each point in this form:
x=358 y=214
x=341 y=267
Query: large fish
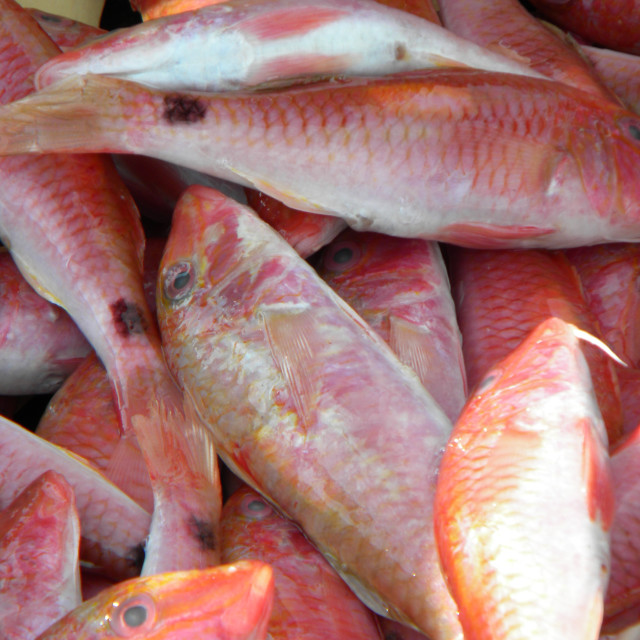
x=39 y=569
x=240 y=43
x=470 y=157
x=524 y=502
x=230 y=602
x=289 y=379
x=311 y=601
x=75 y=233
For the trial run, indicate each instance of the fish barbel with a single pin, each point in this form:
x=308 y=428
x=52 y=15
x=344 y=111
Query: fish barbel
x=230 y=602
x=246 y=43
x=288 y=378
x=469 y=157
x=524 y=502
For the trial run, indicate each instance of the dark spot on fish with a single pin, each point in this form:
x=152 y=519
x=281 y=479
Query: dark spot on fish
x=128 y=317
x=634 y=131
x=401 y=52
x=202 y=531
x=181 y=108
x=135 y=557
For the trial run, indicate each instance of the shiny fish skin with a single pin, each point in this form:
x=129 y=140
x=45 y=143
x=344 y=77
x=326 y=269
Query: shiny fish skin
x=469 y=157
x=39 y=571
x=311 y=601
x=288 y=378
x=230 y=602
x=265 y=42
x=524 y=501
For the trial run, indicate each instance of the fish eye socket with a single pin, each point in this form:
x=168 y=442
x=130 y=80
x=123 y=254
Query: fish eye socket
x=255 y=507
x=341 y=256
x=179 y=280
x=133 y=616
x=631 y=127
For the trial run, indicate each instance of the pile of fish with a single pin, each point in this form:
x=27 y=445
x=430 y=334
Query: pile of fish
x=340 y=309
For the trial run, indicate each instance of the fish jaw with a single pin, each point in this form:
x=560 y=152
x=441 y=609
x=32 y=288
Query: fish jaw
x=498 y=536
x=230 y=602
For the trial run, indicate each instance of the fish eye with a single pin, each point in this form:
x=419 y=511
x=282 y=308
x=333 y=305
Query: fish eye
x=631 y=127
x=133 y=615
x=341 y=256
x=179 y=280
x=255 y=507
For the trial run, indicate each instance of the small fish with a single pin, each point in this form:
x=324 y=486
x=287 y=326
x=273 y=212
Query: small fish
x=311 y=601
x=40 y=345
x=464 y=156
x=288 y=378
x=39 y=570
x=400 y=287
x=270 y=42
x=614 y=24
x=524 y=502
x=230 y=602
x=114 y=527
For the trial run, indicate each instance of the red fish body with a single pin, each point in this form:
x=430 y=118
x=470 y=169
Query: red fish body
x=311 y=601
x=400 y=287
x=470 y=157
x=288 y=377
x=524 y=500
x=230 y=602
x=39 y=572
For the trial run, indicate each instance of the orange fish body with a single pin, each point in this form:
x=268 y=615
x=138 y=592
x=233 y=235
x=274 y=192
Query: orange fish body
x=524 y=501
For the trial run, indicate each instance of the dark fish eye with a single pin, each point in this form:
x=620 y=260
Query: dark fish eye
x=631 y=127
x=255 y=507
x=341 y=256
x=634 y=131
x=179 y=280
x=134 y=615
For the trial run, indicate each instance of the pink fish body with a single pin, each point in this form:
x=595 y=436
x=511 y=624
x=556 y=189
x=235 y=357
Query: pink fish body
x=288 y=377
x=311 y=601
x=114 y=527
x=273 y=41
x=65 y=32
x=39 y=571
x=524 y=500
x=40 y=345
x=230 y=602
x=400 y=287
x=470 y=157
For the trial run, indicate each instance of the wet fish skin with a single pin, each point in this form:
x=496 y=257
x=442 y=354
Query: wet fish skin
x=230 y=602
x=287 y=377
x=524 y=502
x=270 y=42
x=446 y=179
x=311 y=600
x=40 y=345
x=400 y=287
x=65 y=32
x=39 y=570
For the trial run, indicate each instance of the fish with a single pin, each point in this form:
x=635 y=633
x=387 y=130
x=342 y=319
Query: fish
x=468 y=157
x=114 y=527
x=311 y=601
x=400 y=287
x=151 y=9
x=40 y=345
x=288 y=378
x=75 y=234
x=39 y=569
x=231 y=602
x=524 y=500
x=65 y=32
x=271 y=42
x=614 y=24
x=501 y=296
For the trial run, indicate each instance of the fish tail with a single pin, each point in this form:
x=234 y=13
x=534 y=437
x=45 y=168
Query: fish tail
x=68 y=116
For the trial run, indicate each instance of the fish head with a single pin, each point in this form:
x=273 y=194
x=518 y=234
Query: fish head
x=230 y=602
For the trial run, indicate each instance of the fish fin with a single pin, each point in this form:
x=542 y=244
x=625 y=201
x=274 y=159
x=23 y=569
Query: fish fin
x=477 y=235
x=290 y=332
x=127 y=470
x=597 y=478
x=283 y=195
x=292 y=21
x=63 y=117
x=296 y=69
